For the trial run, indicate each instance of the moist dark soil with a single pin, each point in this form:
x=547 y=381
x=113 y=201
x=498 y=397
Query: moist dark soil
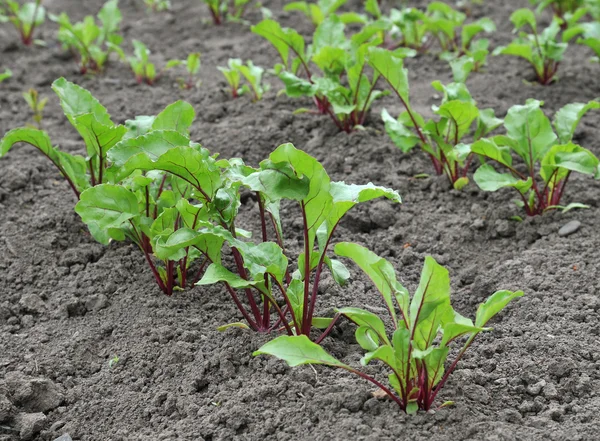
x=68 y=306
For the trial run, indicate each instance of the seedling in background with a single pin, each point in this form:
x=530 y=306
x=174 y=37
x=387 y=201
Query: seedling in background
x=564 y=9
x=442 y=139
x=344 y=90
x=548 y=154
x=158 y=5
x=24 y=18
x=587 y=34
x=36 y=105
x=424 y=329
x=541 y=49
x=236 y=70
x=143 y=69
x=192 y=66
x=316 y=12
x=5 y=75
x=226 y=9
x=91 y=43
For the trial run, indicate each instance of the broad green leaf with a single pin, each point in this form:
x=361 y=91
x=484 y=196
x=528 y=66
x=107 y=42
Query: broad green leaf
x=454 y=330
x=493 y=305
x=381 y=272
x=177 y=117
x=76 y=101
x=400 y=135
x=283 y=39
x=361 y=317
x=461 y=114
x=216 y=273
x=490 y=150
x=297 y=350
x=522 y=17
x=107 y=206
x=488 y=179
x=430 y=306
x=318 y=201
x=277 y=181
x=99 y=138
x=392 y=70
x=110 y=16
x=382 y=353
x=567 y=157
x=151 y=145
x=330 y=33
x=367 y=338
x=531 y=130
x=567 y=119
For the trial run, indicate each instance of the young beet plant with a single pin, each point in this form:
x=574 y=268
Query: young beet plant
x=236 y=70
x=192 y=67
x=97 y=186
x=145 y=71
x=36 y=105
x=157 y=5
x=344 y=91
x=549 y=156
x=5 y=75
x=564 y=9
x=441 y=139
x=25 y=18
x=316 y=12
x=424 y=329
x=261 y=270
x=226 y=9
x=92 y=43
x=542 y=50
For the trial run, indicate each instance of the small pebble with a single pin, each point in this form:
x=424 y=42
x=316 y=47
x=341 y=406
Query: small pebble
x=569 y=228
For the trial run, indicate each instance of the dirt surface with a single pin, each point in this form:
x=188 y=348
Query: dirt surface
x=69 y=305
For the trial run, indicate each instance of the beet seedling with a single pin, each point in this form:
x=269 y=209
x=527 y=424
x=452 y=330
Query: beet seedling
x=344 y=91
x=25 y=18
x=5 y=75
x=90 y=43
x=236 y=70
x=222 y=9
x=144 y=70
x=192 y=66
x=549 y=156
x=541 y=49
x=157 y=5
x=36 y=105
x=316 y=12
x=564 y=9
x=441 y=139
x=424 y=328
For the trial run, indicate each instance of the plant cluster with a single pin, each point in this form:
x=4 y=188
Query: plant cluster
x=236 y=70
x=25 y=18
x=221 y=10
x=36 y=105
x=157 y=5
x=342 y=88
x=91 y=41
x=423 y=330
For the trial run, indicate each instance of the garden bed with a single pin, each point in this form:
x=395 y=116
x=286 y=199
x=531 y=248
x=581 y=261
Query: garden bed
x=69 y=305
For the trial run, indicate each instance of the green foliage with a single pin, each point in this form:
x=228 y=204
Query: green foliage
x=145 y=71
x=92 y=42
x=549 y=156
x=157 y=5
x=192 y=67
x=316 y=12
x=36 y=105
x=543 y=50
x=25 y=18
x=236 y=70
x=424 y=328
x=343 y=89
x=587 y=34
x=565 y=9
x=442 y=138
x=226 y=9
x=5 y=75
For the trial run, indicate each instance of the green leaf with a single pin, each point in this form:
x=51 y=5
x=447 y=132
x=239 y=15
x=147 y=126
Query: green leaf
x=490 y=150
x=567 y=157
x=568 y=117
x=531 y=130
x=107 y=206
x=363 y=318
x=400 y=135
x=461 y=114
x=488 y=179
x=178 y=117
x=277 y=181
x=392 y=70
x=224 y=328
x=283 y=39
x=522 y=17
x=77 y=101
x=318 y=201
x=297 y=350
x=493 y=305
x=381 y=272
x=216 y=273
x=5 y=75
x=430 y=306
